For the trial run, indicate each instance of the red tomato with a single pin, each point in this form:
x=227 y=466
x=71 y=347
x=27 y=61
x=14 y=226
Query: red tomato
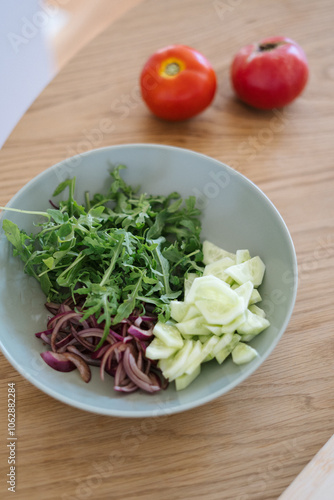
x=269 y=74
x=177 y=83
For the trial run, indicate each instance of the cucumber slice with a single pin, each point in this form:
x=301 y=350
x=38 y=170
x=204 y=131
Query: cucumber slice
x=192 y=313
x=255 y=297
x=178 y=310
x=243 y=353
x=216 y=330
x=251 y=270
x=218 y=269
x=245 y=291
x=208 y=287
x=242 y=256
x=232 y=327
x=224 y=341
x=175 y=367
x=257 y=310
x=221 y=312
x=247 y=338
x=195 y=358
x=212 y=253
x=184 y=380
x=209 y=357
x=192 y=327
x=207 y=349
x=226 y=351
x=253 y=324
x=158 y=350
x=163 y=364
x=168 y=334
x=188 y=282
x=204 y=338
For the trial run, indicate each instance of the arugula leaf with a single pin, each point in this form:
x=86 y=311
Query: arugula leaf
x=13 y=234
x=121 y=251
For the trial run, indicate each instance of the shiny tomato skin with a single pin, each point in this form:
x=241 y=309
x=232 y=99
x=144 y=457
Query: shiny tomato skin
x=271 y=77
x=183 y=95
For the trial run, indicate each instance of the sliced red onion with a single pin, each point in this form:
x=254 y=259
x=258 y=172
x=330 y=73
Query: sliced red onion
x=82 y=366
x=64 y=308
x=57 y=361
x=130 y=387
x=99 y=353
x=136 y=375
x=64 y=342
x=139 y=333
x=61 y=321
x=45 y=338
x=122 y=355
x=120 y=374
x=116 y=335
x=53 y=321
x=52 y=307
x=44 y=332
x=106 y=355
x=85 y=357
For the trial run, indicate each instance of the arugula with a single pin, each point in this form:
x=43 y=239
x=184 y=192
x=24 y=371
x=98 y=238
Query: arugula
x=119 y=252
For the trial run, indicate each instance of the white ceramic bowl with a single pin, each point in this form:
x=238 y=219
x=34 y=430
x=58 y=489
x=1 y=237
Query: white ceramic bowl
x=236 y=214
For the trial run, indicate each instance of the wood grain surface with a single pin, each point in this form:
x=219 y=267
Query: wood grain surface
x=252 y=442
x=316 y=481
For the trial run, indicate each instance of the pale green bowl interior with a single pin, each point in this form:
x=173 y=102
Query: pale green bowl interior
x=236 y=214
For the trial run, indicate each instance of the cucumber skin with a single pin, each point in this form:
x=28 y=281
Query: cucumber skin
x=243 y=353
x=184 y=380
x=226 y=351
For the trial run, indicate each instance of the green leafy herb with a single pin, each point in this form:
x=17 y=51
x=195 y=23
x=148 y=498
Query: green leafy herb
x=121 y=251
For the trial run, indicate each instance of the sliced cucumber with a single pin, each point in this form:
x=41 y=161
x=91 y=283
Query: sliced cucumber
x=242 y=256
x=216 y=305
x=245 y=291
x=158 y=350
x=218 y=269
x=209 y=357
x=184 y=380
x=191 y=313
x=195 y=358
x=224 y=341
x=253 y=324
x=251 y=270
x=247 y=338
x=226 y=351
x=212 y=253
x=208 y=287
x=195 y=326
x=243 y=353
x=206 y=351
x=221 y=312
x=216 y=330
x=232 y=327
x=178 y=310
x=255 y=297
x=257 y=310
x=204 y=338
x=168 y=334
x=175 y=365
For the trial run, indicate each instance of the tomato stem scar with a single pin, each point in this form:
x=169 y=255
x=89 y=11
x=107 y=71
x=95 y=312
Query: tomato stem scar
x=263 y=47
x=172 y=69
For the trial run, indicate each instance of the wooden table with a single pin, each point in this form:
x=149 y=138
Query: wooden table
x=252 y=442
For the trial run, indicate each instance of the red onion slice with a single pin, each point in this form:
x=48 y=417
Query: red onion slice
x=57 y=361
x=82 y=366
x=136 y=375
x=139 y=333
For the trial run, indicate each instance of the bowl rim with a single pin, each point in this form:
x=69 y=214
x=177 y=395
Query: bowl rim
x=211 y=396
